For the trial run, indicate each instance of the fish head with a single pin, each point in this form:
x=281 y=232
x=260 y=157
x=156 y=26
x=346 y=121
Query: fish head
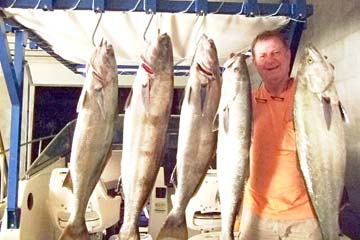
x=103 y=63
x=206 y=60
x=236 y=67
x=318 y=72
x=158 y=55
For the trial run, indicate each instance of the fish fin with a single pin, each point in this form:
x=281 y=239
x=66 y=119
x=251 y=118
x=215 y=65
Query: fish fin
x=215 y=123
x=189 y=95
x=75 y=232
x=217 y=197
x=173 y=177
x=128 y=100
x=98 y=83
x=107 y=158
x=226 y=118
x=326 y=103
x=102 y=42
x=343 y=113
x=181 y=101
x=230 y=61
x=174 y=228
x=82 y=99
x=203 y=92
x=99 y=96
x=145 y=94
x=98 y=87
x=67 y=183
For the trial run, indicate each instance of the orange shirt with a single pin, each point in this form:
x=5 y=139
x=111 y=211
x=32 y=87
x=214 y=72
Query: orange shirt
x=275 y=188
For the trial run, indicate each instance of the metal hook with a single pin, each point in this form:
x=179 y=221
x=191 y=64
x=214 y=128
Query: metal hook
x=96 y=27
x=147 y=27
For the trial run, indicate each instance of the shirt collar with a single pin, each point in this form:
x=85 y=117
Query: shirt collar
x=262 y=95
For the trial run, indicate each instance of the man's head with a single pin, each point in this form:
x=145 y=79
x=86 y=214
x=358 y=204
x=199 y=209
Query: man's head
x=271 y=56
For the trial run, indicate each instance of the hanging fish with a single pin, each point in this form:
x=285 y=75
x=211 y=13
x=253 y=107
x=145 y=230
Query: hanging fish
x=145 y=124
x=234 y=134
x=91 y=147
x=320 y=138
x=197 y=141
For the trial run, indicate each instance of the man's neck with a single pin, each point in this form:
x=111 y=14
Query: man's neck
x=275 y=89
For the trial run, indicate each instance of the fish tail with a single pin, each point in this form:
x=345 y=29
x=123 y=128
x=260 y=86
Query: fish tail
x=174 y=228
x=129 y=232
x=71 y=233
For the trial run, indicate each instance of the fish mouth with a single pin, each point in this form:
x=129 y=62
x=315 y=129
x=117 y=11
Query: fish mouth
x=204 y=70
x=147 y=67
x=312 y=48
x=315 y=54
x=164 y=37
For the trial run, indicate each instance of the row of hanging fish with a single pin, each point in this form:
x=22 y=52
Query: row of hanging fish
x=211 y=103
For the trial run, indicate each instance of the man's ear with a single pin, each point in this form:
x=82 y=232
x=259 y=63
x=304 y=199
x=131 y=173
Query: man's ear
x=288 y=52
x=254 y=60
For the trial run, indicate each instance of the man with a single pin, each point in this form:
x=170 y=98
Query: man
x=276 y=204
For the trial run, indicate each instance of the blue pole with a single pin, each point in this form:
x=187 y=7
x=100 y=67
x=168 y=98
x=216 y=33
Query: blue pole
x=295 y=32
x=14 y=75
x=13 y=177
x=8 y=66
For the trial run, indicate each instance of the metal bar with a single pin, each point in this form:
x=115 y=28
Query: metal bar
x=29 y=118
x=201 y=7
x=250 y=6
x=132 y=69
x=31 y=141
x=8 y=28
x=47 y=5
x=7 y=66
x=98 y=6
x=33 y=45
x=294 y=36
x=12 y=209
x=298 y=9
x=19 y=59
x=150 y=6
x=39 y=149
x=14 y=78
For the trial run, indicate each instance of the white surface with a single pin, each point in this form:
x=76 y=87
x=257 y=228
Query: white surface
x=70 y=35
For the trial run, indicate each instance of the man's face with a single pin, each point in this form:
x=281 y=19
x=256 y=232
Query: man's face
x=272 y=60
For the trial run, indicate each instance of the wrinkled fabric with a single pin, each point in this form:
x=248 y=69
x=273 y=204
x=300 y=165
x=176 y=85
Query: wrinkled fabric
x=255 y=228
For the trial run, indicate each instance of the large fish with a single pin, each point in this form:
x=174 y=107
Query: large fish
x=320 y=138
x=234 y=131
x=93 y=134
x=197 y=141
x=146 y=118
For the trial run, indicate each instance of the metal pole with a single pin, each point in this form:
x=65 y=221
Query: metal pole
x=14 y=74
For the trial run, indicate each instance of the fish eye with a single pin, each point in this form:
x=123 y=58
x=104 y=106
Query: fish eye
x=310 y=60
